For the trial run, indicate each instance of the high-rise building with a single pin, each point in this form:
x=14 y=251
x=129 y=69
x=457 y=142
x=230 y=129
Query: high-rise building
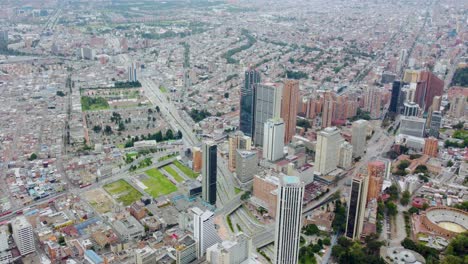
x=197 y=159
x=431 y=146
x=394 y=101
x=411 y=76
x=289 y=108
x=358 y=137
x=435 y=123
x=457 y=106
x=346 y=155
x=273 y=141
x=3 y=40
x=186 y=250
x=230 y=252
x=146 y=255
x=204 y=230
x=327 y=151
x=376 y=172
x=288 y=220
x=411 y=109
x=267 y=106
x=356 y=207
x=132 y=72
x=247 y=103
x=375 y=99
x=247 y=165
x=328 y=109
x=433 y=86
x=209 y=172
x=412 y=126
x=5 y=253
x=436 y=102
x=23 y=235
x=237 y=141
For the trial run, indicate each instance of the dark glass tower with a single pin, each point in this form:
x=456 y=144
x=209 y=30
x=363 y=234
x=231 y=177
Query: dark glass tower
x=247 y=103
x=357 y=206
x=209 y=171
x=393 y=108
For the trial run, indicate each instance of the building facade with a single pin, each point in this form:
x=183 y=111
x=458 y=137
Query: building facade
x=273 y=142
x=267 y=106
x=289 y=108
x=23 y=235
x=288 y=220
x=358 y=137
x=209 y=172
x=356 y=207
x=204 y=230
x=247 y=102
x=327 y=150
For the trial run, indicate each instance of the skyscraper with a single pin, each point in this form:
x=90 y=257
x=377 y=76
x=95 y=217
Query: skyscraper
x=288 y=220
x=289 y=108
x=237 y=141
x=346 y=155
x=394 y=108
x=247 y=103
x=327 y=151
x=230 y=252
x=358 y=137
x=412 y=126
x=132 y=72
x=328 y=109
x=247 y=165
x=3 y=40
x=356 y=207
x=376 y=172
x=23 y=235
x=433 y=87
x=410 y=109
x=435 y=123
x=273 y=140
x=457 y=106
x=204 y=230
x=209 y=171
x=267 y=106
x=197 y=159
x=431 y=146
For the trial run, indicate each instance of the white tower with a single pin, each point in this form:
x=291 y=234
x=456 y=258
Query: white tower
x=288 y=220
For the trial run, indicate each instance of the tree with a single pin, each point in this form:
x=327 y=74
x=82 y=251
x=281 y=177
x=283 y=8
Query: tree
x=33 y=156
x=326 y=241
x=97 y=129
x=449 y=163
x=393 y=192
x=339 y=222
x=405 y=198
x=169 y=134
x=179 y=134
x=311 y=230
x=226 y=95
x=60 y=93
x=392 y=209
x=157 y=109
x=108 y=130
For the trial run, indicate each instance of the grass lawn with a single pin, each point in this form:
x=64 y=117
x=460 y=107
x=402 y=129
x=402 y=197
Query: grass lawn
x=163 y=158
x=93 y=103
x=186 y=170
x=125 y=192
x=158 y=184
x=163 y=89
x=237 y=190
x=173 y=173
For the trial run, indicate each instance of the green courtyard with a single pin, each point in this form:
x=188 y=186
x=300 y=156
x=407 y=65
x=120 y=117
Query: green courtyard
x=158 y=184
x=123 y=192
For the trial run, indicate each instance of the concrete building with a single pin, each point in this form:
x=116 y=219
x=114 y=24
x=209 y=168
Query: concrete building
x=358 y=137
x=247 y=165
x=289 y=220
x=457 y=106
x=204 y=230
x=289 y=108
x=411 y=76
x=429 y=86
x=264 y=192
x=273 y=143
x=5 y=253
x=431 y=146
x=132 y=72
x=230 y=252
x=376 y=173
x=412 y=126
x=197 y=159
x=209 y=172
x=146 y=255
x=346 y=156
x=86 y=53
x=327 y=150
x=237 y=141
x=373 y=102
x=23 y=235
x=267 y=106
x=328 y=111
x=92 y=257
x=3 y=40
x=435 y=123
x=247 y=102
x=186 y=250
x=129 y=228
x=411 y=109
x=356 y=207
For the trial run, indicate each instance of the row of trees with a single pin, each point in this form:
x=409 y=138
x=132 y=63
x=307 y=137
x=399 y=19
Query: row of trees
x=158 y=136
